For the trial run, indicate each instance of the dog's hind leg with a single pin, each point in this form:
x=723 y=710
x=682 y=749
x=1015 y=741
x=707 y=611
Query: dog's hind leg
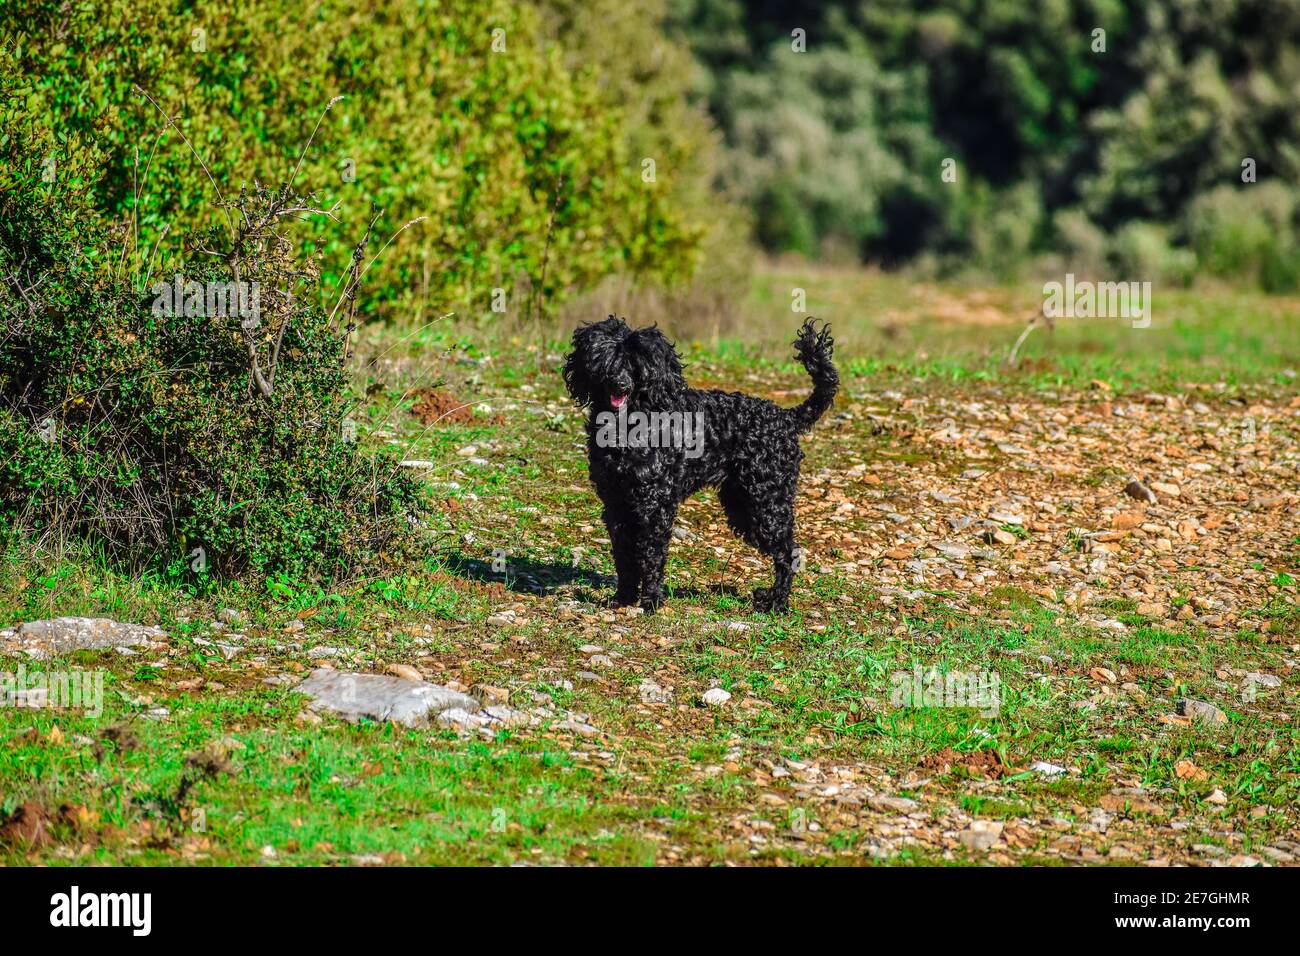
x=777 y=597
x=769 y=528
x=773 y=534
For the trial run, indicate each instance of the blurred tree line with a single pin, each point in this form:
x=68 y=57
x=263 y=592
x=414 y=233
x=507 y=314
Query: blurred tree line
x=1161 y=139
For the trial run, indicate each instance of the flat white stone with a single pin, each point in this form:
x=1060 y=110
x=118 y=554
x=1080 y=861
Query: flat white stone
x=380 y=697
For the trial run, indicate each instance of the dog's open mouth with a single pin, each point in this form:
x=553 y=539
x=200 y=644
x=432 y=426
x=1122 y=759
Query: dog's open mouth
x=616 y=399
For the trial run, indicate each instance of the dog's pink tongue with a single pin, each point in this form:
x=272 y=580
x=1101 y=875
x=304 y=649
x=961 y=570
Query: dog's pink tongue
x=617 y=400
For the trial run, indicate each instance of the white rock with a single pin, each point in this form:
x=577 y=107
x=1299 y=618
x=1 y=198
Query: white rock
x=379 y=697
x=63 y=635
x=981 y=834
x=652 y=693
x=1263 y=680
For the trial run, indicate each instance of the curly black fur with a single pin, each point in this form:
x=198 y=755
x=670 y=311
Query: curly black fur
x=750 y=452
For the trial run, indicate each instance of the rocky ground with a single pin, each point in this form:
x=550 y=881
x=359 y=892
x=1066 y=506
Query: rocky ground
x=1119 y=568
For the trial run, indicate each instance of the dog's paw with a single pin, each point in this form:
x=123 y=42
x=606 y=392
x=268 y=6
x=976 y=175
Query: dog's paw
x=765 y=599
x=651 y=603
x=623 y=599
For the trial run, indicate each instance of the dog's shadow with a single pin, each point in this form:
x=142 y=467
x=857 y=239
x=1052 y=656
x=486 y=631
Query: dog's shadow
x=526 y=576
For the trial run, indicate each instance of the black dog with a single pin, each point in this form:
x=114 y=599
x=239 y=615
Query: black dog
x=746 y=447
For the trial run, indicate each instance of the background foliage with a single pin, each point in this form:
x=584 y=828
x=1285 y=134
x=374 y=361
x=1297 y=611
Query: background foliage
x=434 y=122
x=1131 y=153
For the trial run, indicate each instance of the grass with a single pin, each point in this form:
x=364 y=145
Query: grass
x=231 y=770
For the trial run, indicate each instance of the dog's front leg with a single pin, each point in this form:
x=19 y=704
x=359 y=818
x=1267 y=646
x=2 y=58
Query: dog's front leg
x=623 y=540
x=652 y=555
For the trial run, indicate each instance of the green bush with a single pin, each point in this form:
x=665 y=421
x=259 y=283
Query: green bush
x=142 y=428
x=434 y=122
x=1082 y=243
x=1141 y=253
x=1247 y=229
x=1280 y=269
x=1002 y=226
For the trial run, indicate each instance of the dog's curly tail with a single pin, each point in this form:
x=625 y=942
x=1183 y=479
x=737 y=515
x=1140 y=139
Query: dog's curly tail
x=814 y=348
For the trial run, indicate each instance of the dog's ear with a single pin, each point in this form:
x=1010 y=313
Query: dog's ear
x=575 y=366
x=656 y=362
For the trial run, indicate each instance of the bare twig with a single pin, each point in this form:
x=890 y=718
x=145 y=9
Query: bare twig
x=306 y=146
x=350 y=288
x=186 y=139
x=1034 y=321
x=539 y=297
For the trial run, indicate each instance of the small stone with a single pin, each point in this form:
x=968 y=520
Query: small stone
x=653 y=693
x=228 y=615
x=1103 y=674
x=405 y=671
x=458 y=718
x=490 y=694
x=1006 y=517
x=1130 y=802
x=954 y=550
x=506 y=716
x=1201 y=711
x=1166 y=489
x=575 y=726
x=1049 y=770
x=1263 y=680
x=715 y=697
x=1217 y=797
x=1135 y=489
x=892 y=804
x=981 y=834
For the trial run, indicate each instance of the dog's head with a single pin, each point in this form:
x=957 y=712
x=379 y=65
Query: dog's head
x=612 y=365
